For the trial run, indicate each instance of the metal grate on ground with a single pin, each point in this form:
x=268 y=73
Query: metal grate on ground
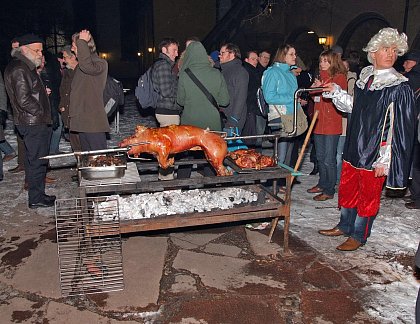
x=89 y=245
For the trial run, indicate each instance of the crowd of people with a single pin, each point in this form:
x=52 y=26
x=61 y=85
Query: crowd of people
x=47 y=93
x=366 y=119
x=218 y=91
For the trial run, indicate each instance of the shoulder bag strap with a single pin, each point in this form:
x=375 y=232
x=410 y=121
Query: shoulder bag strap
x=202 y=88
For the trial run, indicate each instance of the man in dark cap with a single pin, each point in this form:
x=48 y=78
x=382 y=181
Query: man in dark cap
x=412 y=68
x=31 y=114
x=337 y=49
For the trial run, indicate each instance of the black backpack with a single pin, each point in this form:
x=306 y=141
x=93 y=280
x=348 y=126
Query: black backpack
x=113 y=95
x=145 y=91
x=262 y=104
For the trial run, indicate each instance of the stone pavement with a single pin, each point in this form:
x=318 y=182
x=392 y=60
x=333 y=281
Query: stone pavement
x=215 y=274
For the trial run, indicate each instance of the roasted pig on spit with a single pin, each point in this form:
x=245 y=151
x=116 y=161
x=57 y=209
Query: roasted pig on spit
x=251 y=159
x=165 y=141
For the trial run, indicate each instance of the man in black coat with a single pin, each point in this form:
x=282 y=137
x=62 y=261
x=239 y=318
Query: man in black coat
x=237 y=82
x=51 y=76
x=263 y=61
x=255 y=123
x=31 y=114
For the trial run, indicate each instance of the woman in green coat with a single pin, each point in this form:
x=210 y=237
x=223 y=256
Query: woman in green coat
x=198 y=110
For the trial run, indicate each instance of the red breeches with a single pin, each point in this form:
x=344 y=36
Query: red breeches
x=359 y=188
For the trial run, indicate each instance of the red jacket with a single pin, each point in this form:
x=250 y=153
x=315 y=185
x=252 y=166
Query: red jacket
x=329 y=118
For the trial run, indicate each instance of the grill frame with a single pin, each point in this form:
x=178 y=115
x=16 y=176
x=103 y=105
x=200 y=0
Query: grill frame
x=280 y=210
x=89 y=261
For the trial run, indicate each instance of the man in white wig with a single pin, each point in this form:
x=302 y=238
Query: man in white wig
x=379 y=137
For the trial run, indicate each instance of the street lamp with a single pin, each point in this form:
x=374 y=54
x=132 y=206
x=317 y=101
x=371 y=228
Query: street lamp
x=322 y=40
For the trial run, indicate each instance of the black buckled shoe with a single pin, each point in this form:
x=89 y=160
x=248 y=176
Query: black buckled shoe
x=46 y=201
x=50 y=198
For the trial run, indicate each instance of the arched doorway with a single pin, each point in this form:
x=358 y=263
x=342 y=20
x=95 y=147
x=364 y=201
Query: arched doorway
x=307 y=45
x=359 y=31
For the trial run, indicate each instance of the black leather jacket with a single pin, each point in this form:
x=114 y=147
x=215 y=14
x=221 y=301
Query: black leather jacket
x=27 y=93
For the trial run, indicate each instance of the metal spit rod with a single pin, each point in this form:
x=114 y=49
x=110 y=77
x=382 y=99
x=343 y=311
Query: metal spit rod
x=118 y=149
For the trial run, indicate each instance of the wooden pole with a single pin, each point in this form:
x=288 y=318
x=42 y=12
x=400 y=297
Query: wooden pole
x=305 y=143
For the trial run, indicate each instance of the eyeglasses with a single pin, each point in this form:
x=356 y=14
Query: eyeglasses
x=37 y=51
x=265 y=57
x=221 y=53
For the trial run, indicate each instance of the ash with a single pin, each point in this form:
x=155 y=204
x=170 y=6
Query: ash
x=173 y=202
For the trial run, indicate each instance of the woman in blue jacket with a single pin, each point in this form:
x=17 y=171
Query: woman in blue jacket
x=279 y=85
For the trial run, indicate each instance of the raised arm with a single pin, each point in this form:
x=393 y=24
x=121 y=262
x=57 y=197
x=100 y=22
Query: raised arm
x=340 y=98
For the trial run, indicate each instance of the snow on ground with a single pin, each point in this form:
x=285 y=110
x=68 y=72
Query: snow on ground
x=395 y=235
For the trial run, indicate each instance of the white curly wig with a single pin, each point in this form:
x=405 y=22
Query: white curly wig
x=384 y=38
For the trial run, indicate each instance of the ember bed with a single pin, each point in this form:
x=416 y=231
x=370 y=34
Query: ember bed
x=137 y=180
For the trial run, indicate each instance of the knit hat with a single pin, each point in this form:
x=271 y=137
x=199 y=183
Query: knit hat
x=214 y=56
x=337 y=49
x=28 y=39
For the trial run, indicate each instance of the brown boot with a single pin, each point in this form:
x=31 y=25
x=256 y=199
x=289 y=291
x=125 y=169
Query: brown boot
x=331 y=232
x=315 y=189
x=9 y=157
x=322 y=197
x=349 y=245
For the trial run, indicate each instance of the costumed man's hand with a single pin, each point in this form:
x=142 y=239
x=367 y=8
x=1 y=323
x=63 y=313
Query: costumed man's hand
x=380 y=171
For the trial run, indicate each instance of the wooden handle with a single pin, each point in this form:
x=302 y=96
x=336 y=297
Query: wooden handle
x=305 y=143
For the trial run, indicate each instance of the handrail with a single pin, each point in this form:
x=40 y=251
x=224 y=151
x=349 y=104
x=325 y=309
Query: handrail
x=295 y=106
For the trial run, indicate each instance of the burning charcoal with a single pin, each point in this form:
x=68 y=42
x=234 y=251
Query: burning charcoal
x=182 y=202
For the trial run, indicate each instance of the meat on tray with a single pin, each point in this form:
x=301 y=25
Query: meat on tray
x=164 y=142
x=251 y=159
x=104 y=161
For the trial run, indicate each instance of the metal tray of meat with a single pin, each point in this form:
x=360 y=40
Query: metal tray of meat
x=106 y=172
x=231 y=163
x=103 y=160
x=104 y=166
